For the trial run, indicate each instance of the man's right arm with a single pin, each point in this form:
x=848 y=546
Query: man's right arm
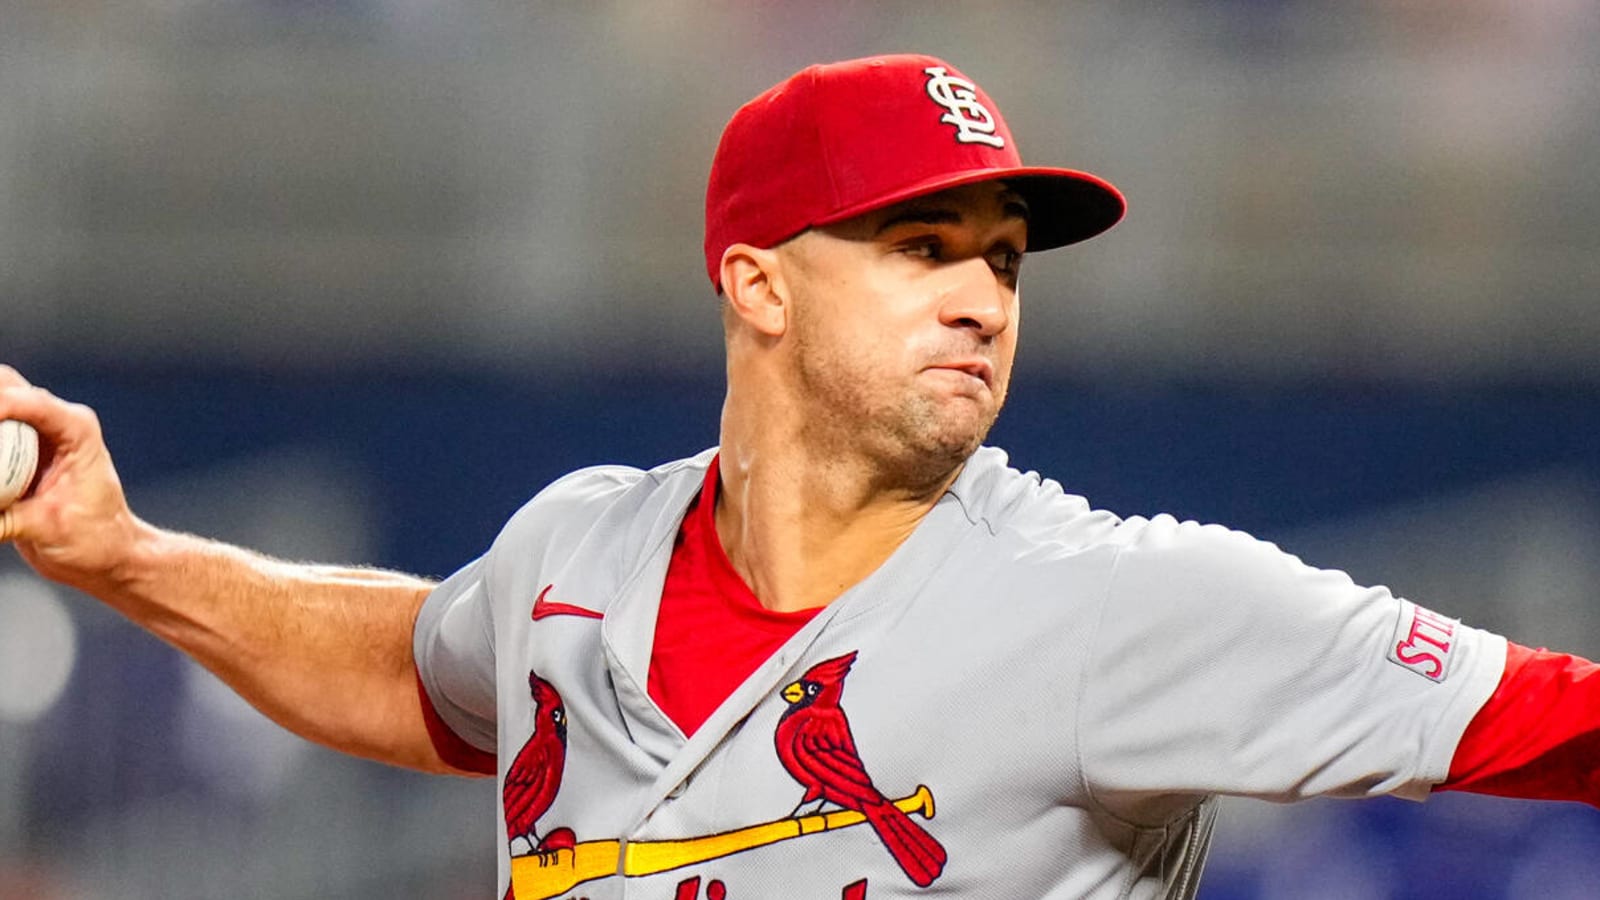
x=325 y=651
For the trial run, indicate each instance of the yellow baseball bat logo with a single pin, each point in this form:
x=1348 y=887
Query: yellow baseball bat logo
x=542 y=876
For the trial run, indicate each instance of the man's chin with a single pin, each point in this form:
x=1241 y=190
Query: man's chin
x=931 y=439
x=938 y=452
x=965 y=430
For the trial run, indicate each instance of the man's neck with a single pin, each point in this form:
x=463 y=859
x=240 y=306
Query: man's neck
x=801 y=530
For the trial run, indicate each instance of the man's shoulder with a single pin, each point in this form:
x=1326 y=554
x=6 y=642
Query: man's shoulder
x=615 y=498
x=1027 y=506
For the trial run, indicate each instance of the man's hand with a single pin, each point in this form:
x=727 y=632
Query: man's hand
x=75 y=527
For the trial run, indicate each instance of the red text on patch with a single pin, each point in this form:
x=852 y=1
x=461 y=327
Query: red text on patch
x=1423 y=641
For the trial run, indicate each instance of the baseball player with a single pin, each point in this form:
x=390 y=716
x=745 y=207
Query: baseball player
x=848 y=652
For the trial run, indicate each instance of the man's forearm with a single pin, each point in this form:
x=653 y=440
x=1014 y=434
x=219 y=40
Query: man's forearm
x=325 y=651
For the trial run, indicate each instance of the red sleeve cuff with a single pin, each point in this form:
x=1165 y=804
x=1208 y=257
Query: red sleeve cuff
x=449 y=745
x=1538 y=735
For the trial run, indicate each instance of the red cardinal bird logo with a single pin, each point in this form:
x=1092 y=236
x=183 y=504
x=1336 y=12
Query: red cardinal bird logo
x=535 y=775
x=816 y=747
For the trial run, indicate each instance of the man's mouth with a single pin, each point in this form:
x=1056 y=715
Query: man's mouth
x=980 y=369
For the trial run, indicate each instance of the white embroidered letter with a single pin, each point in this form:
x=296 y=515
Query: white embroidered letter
x=974 y=123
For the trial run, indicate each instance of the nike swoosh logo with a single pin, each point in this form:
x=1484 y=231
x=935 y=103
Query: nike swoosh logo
x=543 y=608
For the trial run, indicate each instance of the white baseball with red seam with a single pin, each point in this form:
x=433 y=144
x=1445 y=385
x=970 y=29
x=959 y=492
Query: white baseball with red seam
x=19 y=457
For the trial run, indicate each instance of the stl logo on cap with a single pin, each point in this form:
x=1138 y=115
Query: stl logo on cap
x=973 y=121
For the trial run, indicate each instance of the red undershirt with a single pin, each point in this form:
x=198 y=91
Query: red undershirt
x=1538 y=736
x=711 y=632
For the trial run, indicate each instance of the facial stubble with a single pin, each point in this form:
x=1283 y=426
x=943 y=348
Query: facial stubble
x=914 y=435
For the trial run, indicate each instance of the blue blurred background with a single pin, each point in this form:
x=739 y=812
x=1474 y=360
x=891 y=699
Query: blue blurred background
x=349 y=281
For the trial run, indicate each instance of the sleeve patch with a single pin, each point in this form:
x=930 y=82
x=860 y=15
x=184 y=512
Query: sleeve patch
x=1424 y=641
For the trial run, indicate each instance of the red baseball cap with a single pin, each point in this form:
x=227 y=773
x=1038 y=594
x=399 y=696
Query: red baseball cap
x=841 y=139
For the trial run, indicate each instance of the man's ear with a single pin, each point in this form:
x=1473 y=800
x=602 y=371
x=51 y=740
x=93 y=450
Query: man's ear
x=752 y=282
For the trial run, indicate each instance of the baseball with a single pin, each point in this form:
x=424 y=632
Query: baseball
x=19 y=456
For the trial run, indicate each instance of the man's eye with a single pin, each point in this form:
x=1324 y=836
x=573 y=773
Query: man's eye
x=1005 y=259
x=925 y=249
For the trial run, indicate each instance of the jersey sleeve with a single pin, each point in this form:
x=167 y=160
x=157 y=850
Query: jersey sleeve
x=1223 y=665
x=453 y=646
x=454 y=638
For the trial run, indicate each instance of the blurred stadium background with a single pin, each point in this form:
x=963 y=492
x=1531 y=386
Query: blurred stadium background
x=349 y=280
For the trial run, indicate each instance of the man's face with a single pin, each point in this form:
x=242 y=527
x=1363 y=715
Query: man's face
x=904 y=325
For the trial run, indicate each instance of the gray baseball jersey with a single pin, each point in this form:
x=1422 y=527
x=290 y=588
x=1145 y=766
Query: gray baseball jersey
x=1029 y=698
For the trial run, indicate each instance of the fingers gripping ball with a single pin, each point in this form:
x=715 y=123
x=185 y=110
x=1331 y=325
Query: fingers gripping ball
x=19 y=457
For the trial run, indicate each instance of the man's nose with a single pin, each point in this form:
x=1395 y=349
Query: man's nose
x=978 y=298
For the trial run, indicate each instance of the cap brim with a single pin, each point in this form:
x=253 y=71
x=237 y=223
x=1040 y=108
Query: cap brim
x=1064 y=206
